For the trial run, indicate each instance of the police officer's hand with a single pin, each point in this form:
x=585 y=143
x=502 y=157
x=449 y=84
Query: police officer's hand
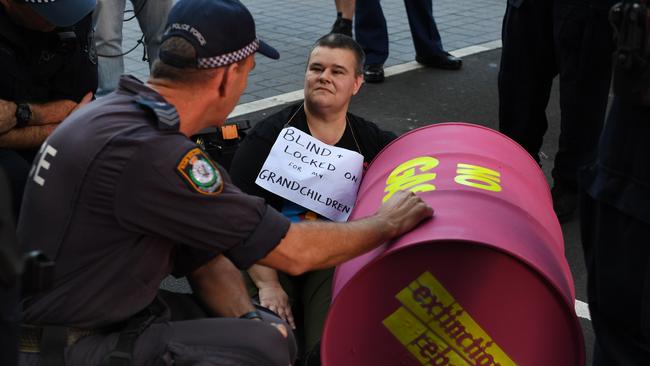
x=274 y=297
x=403 y=211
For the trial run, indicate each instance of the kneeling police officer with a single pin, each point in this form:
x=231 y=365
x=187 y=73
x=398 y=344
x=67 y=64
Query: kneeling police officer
x=120 y=197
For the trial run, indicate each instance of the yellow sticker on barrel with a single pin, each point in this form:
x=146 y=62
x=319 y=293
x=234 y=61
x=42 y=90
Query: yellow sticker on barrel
x=412 y=175
x=438 y=331
x=418 y=175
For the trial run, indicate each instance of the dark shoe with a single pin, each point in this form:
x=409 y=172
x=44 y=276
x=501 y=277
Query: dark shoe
x=441 y=61
x=342 y=26
x=373 y=73
x=565 y=202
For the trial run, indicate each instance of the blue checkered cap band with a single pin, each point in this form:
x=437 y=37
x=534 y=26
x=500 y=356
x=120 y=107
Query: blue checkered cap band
x=39 y=1
x=229 y=58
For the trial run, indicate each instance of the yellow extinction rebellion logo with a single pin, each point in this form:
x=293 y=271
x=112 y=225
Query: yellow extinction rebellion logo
x=438 y=331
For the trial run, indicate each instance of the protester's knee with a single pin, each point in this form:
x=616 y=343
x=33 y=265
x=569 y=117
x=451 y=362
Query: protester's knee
x=288 y=342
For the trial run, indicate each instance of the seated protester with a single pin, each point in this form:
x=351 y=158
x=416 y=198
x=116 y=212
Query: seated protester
x=48 y=68
x=334 y=74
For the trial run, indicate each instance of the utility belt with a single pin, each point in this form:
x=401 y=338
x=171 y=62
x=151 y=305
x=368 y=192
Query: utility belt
x=32 y=336
x=50 y=341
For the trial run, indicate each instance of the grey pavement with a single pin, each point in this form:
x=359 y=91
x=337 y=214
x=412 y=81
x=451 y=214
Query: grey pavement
x=293 y=25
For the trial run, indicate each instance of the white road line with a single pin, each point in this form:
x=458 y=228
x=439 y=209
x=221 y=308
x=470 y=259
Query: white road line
x=582 y=310
x=293 y=96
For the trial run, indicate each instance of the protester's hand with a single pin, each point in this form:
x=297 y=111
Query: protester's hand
x=274 y=298
x=403 y=211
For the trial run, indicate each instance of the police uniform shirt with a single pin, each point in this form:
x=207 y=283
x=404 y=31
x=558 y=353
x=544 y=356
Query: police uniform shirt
x=360 y=135
x=119 y=197
x=38 y=67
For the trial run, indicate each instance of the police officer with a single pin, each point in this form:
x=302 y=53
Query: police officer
x=547 y=38
x=48 y=66
x=121 y=198
x=615 y=210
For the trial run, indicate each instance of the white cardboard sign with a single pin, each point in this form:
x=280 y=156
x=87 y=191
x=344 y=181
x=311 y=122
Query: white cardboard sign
x=315 y=175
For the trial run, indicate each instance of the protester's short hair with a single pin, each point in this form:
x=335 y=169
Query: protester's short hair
x=336 y=40
x=181 y=49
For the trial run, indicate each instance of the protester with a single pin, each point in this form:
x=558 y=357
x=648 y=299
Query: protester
x=122 y=198
x=48 y=68
x=333 y=76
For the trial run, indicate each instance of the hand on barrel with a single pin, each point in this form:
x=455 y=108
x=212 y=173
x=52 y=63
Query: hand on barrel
x=403 y=211
x=274 y=298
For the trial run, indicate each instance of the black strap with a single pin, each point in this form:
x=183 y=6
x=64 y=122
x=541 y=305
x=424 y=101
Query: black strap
x=122 y=355
x=53 y=343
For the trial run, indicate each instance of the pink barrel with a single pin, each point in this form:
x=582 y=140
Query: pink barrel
x=485 y=282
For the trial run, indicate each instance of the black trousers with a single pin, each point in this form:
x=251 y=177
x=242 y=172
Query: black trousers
x=372 y=34
x=617 y=253
x=187 y=336
x=542 y=39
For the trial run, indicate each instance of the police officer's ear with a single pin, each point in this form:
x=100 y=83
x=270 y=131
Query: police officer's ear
x=233 y=78
x=224 y=79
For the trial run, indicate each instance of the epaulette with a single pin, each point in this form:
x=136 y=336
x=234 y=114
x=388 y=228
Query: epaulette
x=166 y=114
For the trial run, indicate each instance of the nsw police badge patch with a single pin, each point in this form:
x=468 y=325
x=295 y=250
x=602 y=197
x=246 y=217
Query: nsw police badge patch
x=200 y=173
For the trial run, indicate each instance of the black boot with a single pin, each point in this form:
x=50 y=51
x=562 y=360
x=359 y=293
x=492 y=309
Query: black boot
x=342 y=26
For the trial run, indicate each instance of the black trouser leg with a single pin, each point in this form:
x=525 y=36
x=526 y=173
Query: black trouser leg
x=584 y=45
x=618 y=266
x=195 y=341
x=526 y=73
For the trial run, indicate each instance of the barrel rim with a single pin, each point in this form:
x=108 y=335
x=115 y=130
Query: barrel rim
x=448 y=124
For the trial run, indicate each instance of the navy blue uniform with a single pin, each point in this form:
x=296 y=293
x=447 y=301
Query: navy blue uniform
x=371 y=32
x=120 y=199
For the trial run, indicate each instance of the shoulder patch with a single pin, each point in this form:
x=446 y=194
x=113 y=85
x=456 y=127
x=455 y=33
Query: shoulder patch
x=166 y=114
x=200 y=173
